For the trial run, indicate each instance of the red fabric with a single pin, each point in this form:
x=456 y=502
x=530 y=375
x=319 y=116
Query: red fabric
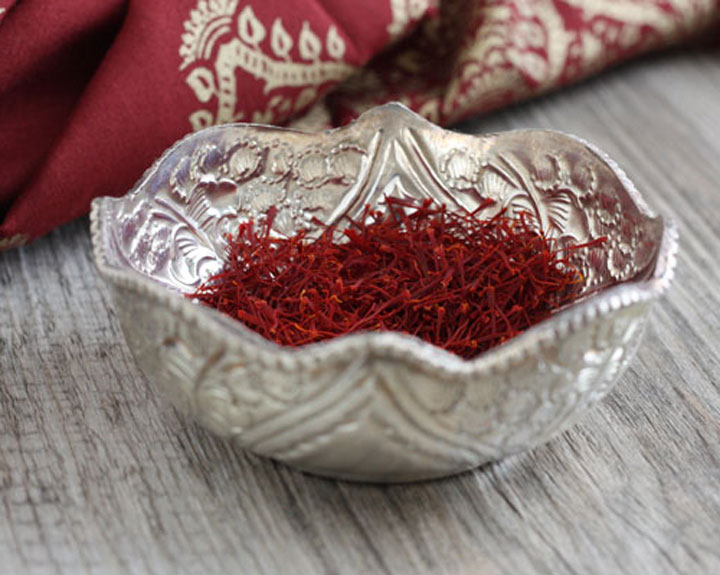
x=92 y=91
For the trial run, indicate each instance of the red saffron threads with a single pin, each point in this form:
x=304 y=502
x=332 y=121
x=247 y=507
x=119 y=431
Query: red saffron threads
x=462 y=283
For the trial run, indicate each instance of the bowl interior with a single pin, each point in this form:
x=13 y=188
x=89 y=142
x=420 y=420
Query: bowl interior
x=171 y=228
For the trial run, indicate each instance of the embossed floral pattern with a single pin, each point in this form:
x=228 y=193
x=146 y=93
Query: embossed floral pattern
x=385 y=407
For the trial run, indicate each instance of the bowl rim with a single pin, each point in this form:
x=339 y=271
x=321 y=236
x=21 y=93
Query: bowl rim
x=392 y=344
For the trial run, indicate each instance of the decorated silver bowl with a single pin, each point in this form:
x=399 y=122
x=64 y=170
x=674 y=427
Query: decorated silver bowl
x=377 y=406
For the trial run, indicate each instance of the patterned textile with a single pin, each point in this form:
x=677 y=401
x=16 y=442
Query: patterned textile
x=92 y=91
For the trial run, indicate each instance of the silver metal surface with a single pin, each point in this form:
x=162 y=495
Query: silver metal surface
x=377 y=406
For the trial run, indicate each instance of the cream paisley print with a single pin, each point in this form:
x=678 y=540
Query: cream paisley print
x=467 y=57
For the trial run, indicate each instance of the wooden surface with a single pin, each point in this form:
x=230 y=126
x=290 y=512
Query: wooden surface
x=98 y=474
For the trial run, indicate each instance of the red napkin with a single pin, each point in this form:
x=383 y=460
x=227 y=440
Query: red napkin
x=92 y=91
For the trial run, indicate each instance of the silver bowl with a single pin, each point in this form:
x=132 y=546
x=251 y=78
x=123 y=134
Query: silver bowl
x=377 y=406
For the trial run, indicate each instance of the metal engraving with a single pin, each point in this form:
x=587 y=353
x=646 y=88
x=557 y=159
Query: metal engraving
x=377 y=406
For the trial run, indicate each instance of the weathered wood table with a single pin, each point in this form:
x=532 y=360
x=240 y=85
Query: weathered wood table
x=98 y=474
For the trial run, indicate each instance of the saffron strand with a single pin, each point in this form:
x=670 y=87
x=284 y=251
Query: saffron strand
x=461 y=282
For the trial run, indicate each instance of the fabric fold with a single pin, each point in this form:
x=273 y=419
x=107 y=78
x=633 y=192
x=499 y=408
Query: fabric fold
x=92 y=91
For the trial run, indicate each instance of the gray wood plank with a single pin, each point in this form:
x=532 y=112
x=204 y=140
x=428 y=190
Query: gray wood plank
x=98 y=474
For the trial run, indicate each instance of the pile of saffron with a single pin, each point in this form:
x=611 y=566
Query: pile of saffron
x=463 y=283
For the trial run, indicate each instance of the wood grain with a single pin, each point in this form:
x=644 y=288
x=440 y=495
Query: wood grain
x=99 y=475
